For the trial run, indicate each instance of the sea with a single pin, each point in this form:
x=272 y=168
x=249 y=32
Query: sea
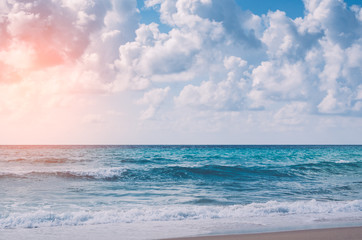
x=155 y=192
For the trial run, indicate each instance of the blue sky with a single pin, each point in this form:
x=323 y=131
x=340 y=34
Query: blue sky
x=293 y=8
x=181 y=72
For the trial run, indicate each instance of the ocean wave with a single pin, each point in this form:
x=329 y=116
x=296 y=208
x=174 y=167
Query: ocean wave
x=327 y=167
x=214 y=172
x=47 y=160
x=257 y=212
x=192 y=172
x=100 y=173
x=245 y=173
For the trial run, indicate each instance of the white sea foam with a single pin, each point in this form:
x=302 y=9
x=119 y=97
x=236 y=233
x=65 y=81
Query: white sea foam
x=342 y=161
x=97 y=173
x=256 y=213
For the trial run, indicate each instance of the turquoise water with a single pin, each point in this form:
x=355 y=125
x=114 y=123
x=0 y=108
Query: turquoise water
x=270 y=186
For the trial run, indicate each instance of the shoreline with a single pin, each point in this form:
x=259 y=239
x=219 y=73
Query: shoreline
x=191 y=231
x=343 y=233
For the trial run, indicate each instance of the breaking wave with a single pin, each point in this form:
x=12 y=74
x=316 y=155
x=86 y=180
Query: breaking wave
x=256 y=212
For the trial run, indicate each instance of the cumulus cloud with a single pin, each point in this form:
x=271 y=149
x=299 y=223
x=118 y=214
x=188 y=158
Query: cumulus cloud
x=52 y=50
x=314 y=60
x=228 y=94
x=52 y=31
x=291 y=114
x=153 y=98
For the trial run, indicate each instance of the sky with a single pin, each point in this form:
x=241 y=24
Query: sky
x=180 y=72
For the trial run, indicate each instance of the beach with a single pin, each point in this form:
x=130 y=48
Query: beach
x=175 y=231
x=348 y=233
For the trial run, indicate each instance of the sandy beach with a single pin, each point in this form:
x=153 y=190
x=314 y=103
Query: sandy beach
x=350 y=233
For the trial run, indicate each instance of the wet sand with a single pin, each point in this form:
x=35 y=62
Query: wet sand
x=351 y=233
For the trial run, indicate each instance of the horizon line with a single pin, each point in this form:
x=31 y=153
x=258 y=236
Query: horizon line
x=198 y=144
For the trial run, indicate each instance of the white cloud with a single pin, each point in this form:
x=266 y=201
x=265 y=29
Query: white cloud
x=227 y=94
x=153 y=98
x=313 y=66
x=233 y=62
x=314 y=60
x=291 y=114
x=280 y=81
x=53 y=50
x=159 y=56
